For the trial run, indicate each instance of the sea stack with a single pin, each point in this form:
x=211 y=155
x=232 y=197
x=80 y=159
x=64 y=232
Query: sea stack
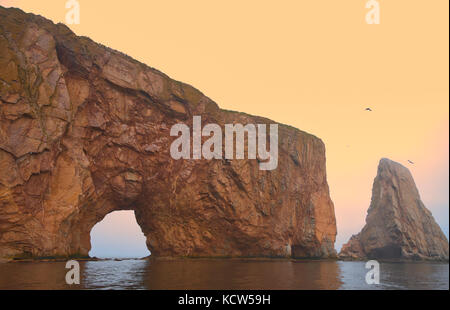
x=86 y=130
x=398 y=225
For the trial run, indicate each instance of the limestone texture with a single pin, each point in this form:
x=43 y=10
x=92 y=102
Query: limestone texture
x=85 y=130
x=398 y=225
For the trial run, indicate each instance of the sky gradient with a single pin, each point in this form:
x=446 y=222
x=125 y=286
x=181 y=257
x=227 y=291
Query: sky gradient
x=315 y=65
x=118 y=235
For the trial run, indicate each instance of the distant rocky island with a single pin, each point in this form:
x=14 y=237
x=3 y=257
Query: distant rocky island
x=398 y=225
x=85 y=131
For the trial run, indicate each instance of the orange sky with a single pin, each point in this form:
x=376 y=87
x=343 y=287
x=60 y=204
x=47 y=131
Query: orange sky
x=312 y=64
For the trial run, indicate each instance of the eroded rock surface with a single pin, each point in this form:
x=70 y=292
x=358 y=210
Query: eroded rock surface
x=85 y=130
x=398 y=225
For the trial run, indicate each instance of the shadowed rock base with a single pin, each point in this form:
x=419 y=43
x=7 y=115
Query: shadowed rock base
x=398 y=225
x=85 y=130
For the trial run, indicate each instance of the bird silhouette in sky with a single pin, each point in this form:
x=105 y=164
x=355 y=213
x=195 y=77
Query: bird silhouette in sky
x=410 y=162
x=369 y=109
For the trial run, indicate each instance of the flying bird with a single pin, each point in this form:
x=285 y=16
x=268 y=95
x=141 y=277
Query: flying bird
x=369 y=109
x=410 y=162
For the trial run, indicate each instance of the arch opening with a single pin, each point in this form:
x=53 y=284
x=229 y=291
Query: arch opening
x=118 y=235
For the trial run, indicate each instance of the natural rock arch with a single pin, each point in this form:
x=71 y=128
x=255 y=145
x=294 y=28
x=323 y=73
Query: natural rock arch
x=85 y=130
x=118 y=235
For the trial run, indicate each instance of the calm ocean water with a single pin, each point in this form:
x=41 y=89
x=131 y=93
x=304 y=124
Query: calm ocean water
x=224 y=274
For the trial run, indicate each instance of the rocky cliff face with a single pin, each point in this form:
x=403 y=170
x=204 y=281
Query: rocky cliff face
x=398 y=225
x=85 y=130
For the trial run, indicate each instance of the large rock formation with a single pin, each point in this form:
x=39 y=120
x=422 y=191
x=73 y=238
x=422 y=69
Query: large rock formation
x=398 y=225
x=85 y=130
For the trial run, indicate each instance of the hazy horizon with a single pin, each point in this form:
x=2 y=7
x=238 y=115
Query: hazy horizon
x=118 y=235
x=315 y=65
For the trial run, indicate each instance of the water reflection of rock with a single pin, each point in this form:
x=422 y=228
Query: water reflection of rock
x=242 y=274
x=33 y=276
x=223 y=274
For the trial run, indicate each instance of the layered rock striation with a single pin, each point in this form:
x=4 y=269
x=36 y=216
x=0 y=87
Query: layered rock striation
x=85 y=130
x=398 y=225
